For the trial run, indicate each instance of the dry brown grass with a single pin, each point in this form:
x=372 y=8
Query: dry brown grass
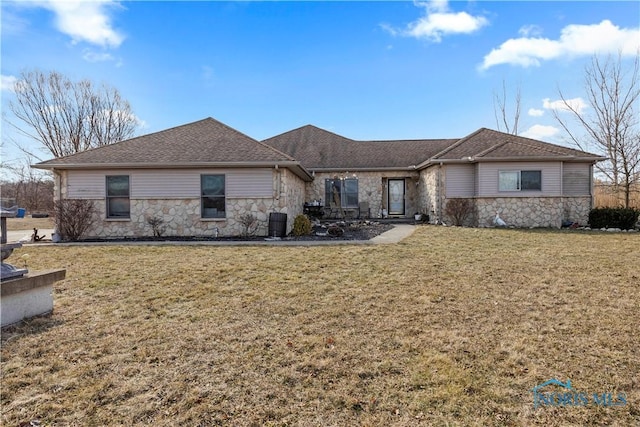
x=28 y=223
x=453 y=326
x=605 y=196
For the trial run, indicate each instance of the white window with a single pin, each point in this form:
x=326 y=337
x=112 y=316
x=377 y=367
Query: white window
x=520 y=180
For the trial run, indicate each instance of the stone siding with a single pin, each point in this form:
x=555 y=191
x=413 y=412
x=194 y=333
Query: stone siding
x=576 y=209
x=371 y=188
x=430 y=193
x=533 y=212
x=294 y=197
x=181 y=217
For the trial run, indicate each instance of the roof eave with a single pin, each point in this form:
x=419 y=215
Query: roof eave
x=466 y=160
x=541 y=159
x=295 y=167
x=364 y=169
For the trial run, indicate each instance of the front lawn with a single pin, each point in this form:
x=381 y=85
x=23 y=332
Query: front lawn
x=453 y=326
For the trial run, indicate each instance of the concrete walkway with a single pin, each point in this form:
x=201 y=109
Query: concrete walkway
x=395 y=235
x=398 y=233
x=24 y=236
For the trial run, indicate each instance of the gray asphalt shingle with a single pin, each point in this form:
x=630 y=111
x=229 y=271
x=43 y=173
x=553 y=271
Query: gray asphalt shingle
x=204 y=141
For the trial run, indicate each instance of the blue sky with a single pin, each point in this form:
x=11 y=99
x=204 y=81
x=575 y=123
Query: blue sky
x=365 y=70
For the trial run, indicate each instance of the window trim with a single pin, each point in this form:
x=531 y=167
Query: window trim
x=223 y=197
x=108 y=199
x=343 y=198
x=519 y=180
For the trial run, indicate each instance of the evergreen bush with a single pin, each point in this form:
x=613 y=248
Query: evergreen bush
x=623 y=218
x=301 y=225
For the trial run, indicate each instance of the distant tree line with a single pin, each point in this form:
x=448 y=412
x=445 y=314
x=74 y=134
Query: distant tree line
x=28 y=188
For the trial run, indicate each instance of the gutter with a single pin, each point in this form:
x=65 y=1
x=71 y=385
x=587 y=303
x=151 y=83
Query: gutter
x=295 y=167
x=163 y=165
x=470 y=160
x=371 y=169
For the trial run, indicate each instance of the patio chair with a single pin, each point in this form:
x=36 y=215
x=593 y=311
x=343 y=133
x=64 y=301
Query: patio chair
x=363 y=210
x=332 y=211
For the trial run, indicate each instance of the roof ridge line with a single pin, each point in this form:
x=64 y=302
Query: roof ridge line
x=406 y=140
x=131 y=139
x=310 y=126
x=492 y=148
x=548 y=146
x=456 y=144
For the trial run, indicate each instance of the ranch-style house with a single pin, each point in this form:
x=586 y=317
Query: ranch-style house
x=201 y=178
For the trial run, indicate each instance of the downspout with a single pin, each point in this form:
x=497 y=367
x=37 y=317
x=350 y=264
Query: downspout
x=591 y=186
x=57 y=182
x=57 y=189
x=439 y=193
x=277 y=195
x=562 y=197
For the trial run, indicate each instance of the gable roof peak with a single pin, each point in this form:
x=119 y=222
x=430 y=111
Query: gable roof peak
x=205 y=141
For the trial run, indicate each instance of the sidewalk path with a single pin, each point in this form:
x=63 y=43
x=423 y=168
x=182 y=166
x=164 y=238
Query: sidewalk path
x=24 y=236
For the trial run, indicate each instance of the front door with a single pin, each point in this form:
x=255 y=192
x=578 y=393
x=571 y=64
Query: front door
x=396 y=197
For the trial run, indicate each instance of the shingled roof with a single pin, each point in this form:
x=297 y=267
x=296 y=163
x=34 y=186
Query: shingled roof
x=487 y=144
x=319 y=149
x=209 y=143
x=206 y=142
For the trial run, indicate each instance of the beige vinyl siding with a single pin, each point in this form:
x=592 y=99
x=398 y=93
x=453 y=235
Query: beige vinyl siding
x=171 y=183
x=576 y=179
x=460 y=181
x=250 y=183
x=488 y=178
x=88 y=184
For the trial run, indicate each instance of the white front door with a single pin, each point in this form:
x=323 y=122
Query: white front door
x=396 y=197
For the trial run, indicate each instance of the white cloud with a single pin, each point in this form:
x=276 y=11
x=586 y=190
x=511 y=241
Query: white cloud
x=125 y=116
x=534 y=112
x=540 y=132
x=439 y=21
x=575 y=104
x=575 y=40
x=91 y=56
x=87 y=21
x=530 y=30
x=7 y=82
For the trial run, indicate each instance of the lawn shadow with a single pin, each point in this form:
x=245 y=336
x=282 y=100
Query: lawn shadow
x=31 y=326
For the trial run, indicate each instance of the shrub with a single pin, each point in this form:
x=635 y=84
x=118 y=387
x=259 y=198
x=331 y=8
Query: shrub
x=301 y=225
x=249 y=224
x=624 y=218
x=156 y=222
x=459 y=210
x=73 y=217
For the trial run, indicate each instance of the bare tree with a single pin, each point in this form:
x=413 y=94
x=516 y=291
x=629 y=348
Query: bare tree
x=612 y=123
x=30 y=188
x=503 y=119
x=67 y=117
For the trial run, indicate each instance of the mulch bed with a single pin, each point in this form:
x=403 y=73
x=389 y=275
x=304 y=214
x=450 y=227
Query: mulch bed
x=355 y=230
